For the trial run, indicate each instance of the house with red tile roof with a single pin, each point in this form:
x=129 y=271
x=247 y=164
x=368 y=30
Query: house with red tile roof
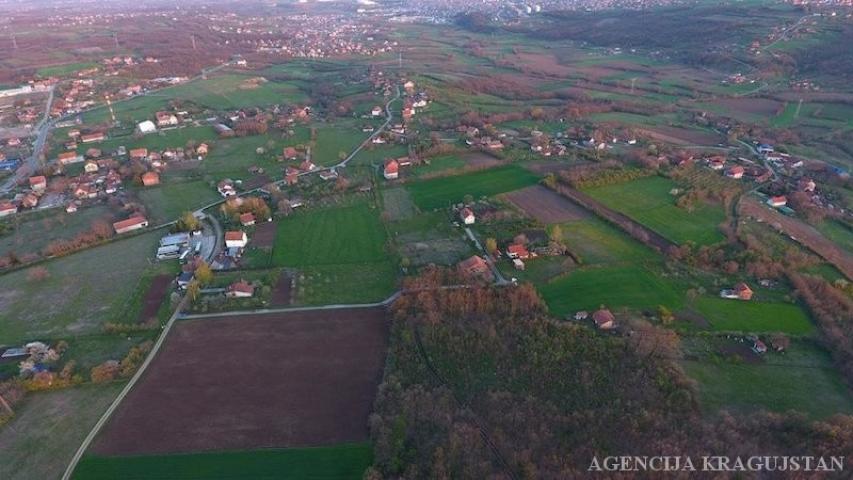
x=604 y=319
x=38 y=183
x=392 y=169
x=247 y=219
x=236 y=239
x=131 y=224
x=241 y=289
x=150 y=178
x=7 y=208
x=475 y=267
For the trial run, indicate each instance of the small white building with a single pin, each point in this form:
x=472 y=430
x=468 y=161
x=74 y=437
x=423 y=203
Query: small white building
x=236 y=239
x=146 y=127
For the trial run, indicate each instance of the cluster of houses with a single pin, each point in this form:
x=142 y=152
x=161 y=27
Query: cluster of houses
x=163 y=120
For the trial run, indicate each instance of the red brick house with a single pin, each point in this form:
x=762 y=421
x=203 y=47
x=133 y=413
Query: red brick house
x=475 y=267
x=392 y=169
x=150 y=179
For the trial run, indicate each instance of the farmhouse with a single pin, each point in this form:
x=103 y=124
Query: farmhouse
x=66 y=158
x=517 y=251
x=604 y=319
x=150 y=178
x=166 y=119
x=241 y=289
x=377 y=111
x=146 y=127
x=759 y=347
x=90 y=167
x=226 y=188
x=71 y=208
x=778 y=201
x=7 y=208
x=30 y=201
x=307 y=166
x=236 y=239
x=93 y=137
x=39 y=183
x=247 y=219
x=202 y=149
x=467 y=216
x=328 y=175
x=131 y=224
x=741 y=291
x=138 y=153
x=290 y=153
x=85 y=191
x=735 y=172
x=392 y=169
x=475 y=267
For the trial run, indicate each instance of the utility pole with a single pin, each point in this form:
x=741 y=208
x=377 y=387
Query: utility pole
x=633 y=80
x=799 y=105
x=115 y=39
x=14 y=42
x=192 y=37
x=401 y=59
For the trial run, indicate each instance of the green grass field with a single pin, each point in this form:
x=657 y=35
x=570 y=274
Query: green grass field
x=161 y=140
x=598 y=242
x=441 y=192
x=83 y=291
x=632 y=287
x=338 y=462
x=329 y=236
x=339 y=252
x=803 y=379
x=35 y=231
x=233 y=156
x=754 y=317
x=47 y=429
x=64 y=70
x=648 y=201
x=332 y=141
x=167 y=201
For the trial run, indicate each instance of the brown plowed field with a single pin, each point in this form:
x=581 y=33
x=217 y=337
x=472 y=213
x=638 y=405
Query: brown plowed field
x=281 y=293
x=546 y=205
x=264 y=236
x=154 y=297
x=255 y=381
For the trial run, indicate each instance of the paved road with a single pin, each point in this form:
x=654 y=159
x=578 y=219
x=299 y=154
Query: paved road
x=124 y=391
x=499 y=278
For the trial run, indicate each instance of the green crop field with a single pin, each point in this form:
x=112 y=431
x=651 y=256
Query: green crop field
x=47 y=429
x=328 y=236
x=648 y=201
x=633 y=287
x=803 y=379
x=337 y=462
x=64 y=70
x=441 y=192
x=754 y=317
x=597 y=242
x=83 y=291
x=163 y=139
x=167 y=201
x=332 y=141
x=345 y=283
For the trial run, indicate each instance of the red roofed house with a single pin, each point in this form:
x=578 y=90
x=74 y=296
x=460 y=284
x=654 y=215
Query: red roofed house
x=778 y=201
x=307 y=165
x=131 y=224
x=7 y=208
x=236 y=239
x=741 y=291
x=165 y=119
x=66 y=158
x=247 y=219
x=290 y=153
x=150 y=178
x=138 y=153
x=241 y=289
x=604 y=319
x=93 y=137
x=517 y=250
x=291 y=175
x=475 y=267
x=38 y=183
x=30 y=201
x=467 y=216
x=202 y=149
x=735 y=172
x=392 y=169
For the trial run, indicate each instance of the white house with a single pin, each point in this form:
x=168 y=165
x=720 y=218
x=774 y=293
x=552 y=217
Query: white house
x=236 y=239
x=467 y=216
x=146 y=127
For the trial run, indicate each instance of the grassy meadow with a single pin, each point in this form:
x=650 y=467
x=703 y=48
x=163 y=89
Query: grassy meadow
x=441 y=192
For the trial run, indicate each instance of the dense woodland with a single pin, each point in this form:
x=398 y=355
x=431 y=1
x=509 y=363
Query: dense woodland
x=482 y=384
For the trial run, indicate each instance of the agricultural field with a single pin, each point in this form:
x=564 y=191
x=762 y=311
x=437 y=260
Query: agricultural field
x=633 y=287
x=47 y=429
x=754 y=316
x=442 y=192
x=81 y=292
x=64 y=70
x=206 y=394
x=546 y=206
x=730 y=376
x=167 y=201
x=30 y=234
x=340 y=252
x=648 y=201
x=339 y=462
